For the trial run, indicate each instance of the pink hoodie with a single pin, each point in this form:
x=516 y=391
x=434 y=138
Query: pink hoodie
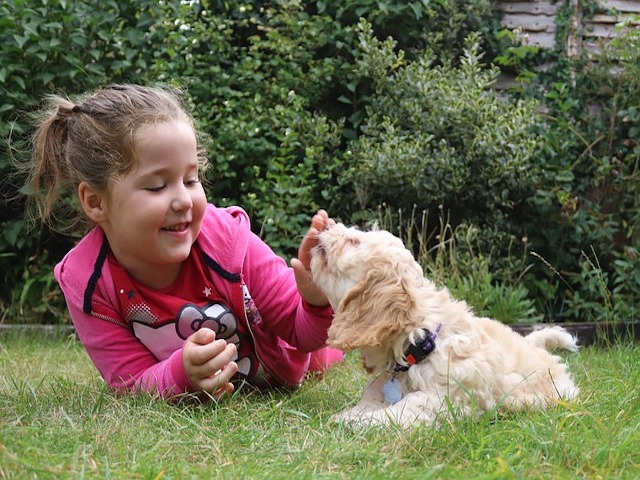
x=284 y=328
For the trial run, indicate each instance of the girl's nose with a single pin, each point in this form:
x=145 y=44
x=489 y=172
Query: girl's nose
x=182 y=199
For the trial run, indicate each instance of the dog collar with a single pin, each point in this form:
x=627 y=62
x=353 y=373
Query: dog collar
x=418 y=352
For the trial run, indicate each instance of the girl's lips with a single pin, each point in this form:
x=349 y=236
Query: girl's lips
x=177 y=228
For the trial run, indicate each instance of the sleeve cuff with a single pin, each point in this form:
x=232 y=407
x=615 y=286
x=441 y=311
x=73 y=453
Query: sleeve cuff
x=325 y=310
x=180 y=377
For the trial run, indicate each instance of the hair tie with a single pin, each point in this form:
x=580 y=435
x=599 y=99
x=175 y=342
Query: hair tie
x=76 y=109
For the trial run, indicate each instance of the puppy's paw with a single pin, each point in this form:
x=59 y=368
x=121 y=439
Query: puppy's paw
x=359 y=418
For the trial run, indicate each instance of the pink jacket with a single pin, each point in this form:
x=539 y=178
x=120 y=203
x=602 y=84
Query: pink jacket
x=284 y=331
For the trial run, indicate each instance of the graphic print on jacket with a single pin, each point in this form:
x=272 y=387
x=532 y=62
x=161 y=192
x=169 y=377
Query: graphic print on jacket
x=164 y=339
x=163 y=320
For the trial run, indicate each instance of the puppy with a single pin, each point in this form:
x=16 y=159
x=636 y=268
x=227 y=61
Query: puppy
x=427 y=354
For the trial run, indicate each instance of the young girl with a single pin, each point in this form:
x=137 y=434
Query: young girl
x=167 y=293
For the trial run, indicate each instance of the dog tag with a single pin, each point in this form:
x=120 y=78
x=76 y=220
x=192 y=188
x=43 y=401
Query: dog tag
x=392 y=391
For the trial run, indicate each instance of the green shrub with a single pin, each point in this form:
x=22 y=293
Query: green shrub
x=297 y=177
x=306 y=110
x=439 y=135
x=419 y=25
x=585 y=218
x=54 y=46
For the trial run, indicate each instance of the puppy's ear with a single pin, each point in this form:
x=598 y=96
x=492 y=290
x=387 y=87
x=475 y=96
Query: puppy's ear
x=375 y=311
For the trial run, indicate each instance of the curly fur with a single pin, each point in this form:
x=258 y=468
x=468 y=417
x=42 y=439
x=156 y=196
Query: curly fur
x=382 y=302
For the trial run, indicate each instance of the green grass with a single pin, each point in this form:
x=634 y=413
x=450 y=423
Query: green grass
x=58 y=420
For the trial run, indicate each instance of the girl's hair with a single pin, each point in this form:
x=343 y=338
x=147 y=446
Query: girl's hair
x=93 y=141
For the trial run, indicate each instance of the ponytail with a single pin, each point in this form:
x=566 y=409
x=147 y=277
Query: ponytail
x=49 y=176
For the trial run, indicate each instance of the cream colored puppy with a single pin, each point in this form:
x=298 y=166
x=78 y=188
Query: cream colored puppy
x=427 y=353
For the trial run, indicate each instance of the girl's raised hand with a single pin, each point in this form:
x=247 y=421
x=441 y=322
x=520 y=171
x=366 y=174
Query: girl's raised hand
x=302 y=265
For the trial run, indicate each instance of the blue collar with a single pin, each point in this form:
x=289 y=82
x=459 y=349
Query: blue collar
x=417 y=353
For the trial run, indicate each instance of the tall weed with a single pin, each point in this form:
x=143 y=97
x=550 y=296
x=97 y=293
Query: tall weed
x=454 y=260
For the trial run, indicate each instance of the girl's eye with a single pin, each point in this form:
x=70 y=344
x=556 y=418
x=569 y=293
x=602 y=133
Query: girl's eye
x=191 y=183
x=155 y=189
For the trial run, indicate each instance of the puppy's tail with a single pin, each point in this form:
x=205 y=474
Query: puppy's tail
x=553 y=338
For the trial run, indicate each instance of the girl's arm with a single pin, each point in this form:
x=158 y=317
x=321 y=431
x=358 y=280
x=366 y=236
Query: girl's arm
x=273 y=288
x=124 y=362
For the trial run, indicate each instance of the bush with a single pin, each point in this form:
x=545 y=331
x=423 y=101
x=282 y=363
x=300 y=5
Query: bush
x=440 y=136
x=82 y=44
x=305 y=109
x=441 y=26
x=585 y=220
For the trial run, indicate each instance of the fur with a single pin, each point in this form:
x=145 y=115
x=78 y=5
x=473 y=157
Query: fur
x=382 y=302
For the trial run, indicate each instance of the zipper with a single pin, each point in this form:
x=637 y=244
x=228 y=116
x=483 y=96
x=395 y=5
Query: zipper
x=108 y=319
x=253 y=337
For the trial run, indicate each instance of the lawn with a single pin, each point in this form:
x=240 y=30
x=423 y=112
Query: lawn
x=58 y=420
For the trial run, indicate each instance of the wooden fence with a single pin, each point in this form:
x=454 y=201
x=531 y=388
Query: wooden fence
x=536 y=22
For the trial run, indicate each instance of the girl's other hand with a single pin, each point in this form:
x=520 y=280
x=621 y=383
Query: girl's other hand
x=208 y=364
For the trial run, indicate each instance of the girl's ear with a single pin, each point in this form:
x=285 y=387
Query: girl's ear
x=93 y=202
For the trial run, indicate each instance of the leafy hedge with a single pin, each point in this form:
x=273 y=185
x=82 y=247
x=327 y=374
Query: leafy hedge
x=54 y=46
x=307 y=106
x=440 y=135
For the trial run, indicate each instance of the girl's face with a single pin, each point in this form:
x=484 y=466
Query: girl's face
x=154 y=212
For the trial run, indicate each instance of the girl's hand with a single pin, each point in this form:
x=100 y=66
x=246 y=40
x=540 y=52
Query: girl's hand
x=302 y=265
x=208 y=364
